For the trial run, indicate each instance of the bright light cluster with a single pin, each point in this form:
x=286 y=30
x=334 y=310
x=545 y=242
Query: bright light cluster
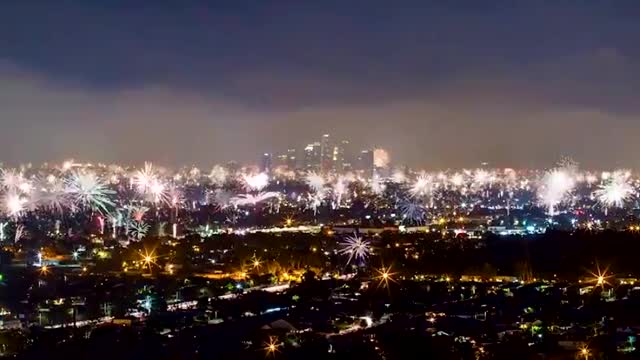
x=128 y=201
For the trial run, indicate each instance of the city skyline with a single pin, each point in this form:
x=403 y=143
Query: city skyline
x=297 y=179
x=525 y=83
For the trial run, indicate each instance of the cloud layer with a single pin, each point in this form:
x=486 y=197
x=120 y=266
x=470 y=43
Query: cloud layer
x=505 y=121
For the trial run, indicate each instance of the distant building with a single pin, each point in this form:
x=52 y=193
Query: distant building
x=381 y=162
x=313 y=157
x=266 y=164
x=381 y=158
x=281 y=161
x=292 y=159
x=341 y=160
x=326 y=153
x=365 y=162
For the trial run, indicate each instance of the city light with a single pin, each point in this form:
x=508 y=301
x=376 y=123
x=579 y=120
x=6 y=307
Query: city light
x=255 y=262
x=149 y=259
x=271 y=346
x=320 y=179
x=584 y=352
x=385 y=276
x=601 y=277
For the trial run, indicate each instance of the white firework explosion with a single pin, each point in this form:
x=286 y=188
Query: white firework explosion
x=255 y=182
x=14 y=204
x=222 y=198
x=175 y=197
x=162 y=229
x=457 y=180
x=49 y=194
x=205 y=231
x=218 y=175
x=144 y=178
x=87 y=190
x=12 y=179
x=621 y=175
x=20 y=233
x=482 y=177
x=194 y=173
x=340 y=188
x=399 y=177
x=157 y=192
x=556 y=186
x=590 y=178
x=315 y=181
x=568 y=164
x=3 y=226
x=356 y=247
x=381 y=158
x=615 y=192
x=315 y=200
x=422 y=186
x=377 y=185
x=253 y=199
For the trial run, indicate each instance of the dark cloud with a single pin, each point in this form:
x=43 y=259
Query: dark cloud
x=472 y=121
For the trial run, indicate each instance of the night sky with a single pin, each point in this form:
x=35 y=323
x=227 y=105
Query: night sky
x=438 y=83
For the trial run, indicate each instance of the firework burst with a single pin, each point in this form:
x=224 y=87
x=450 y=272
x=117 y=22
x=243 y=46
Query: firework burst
x=399 y=177
x=555 y=187
x=136 y=213
x=158 y=192
x=422 y=186
x=138 y=229
x=255 y=182
x=175 y=197
x=377 y=185
x=315 y=181
x=14 y=204
x=412 y=211
x=253 y=199
x=457 y=180
x=12 y=179
x=87 y=190
x=615 y=192
x=50 y=195
x=340 y=188
x=218 y=175
x=144 y=178
x=356 y=247
x=314 y=202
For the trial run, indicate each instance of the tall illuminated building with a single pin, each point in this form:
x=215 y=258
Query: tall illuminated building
x=281 y=161
x=266 y=163
x=341 y=161
x=292 y=159
x=365 y=162
x=381 y=161
x=326 y=151
x=313 y=157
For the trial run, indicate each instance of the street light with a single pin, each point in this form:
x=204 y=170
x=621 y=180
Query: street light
x=585 y=352
x=271 y=346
